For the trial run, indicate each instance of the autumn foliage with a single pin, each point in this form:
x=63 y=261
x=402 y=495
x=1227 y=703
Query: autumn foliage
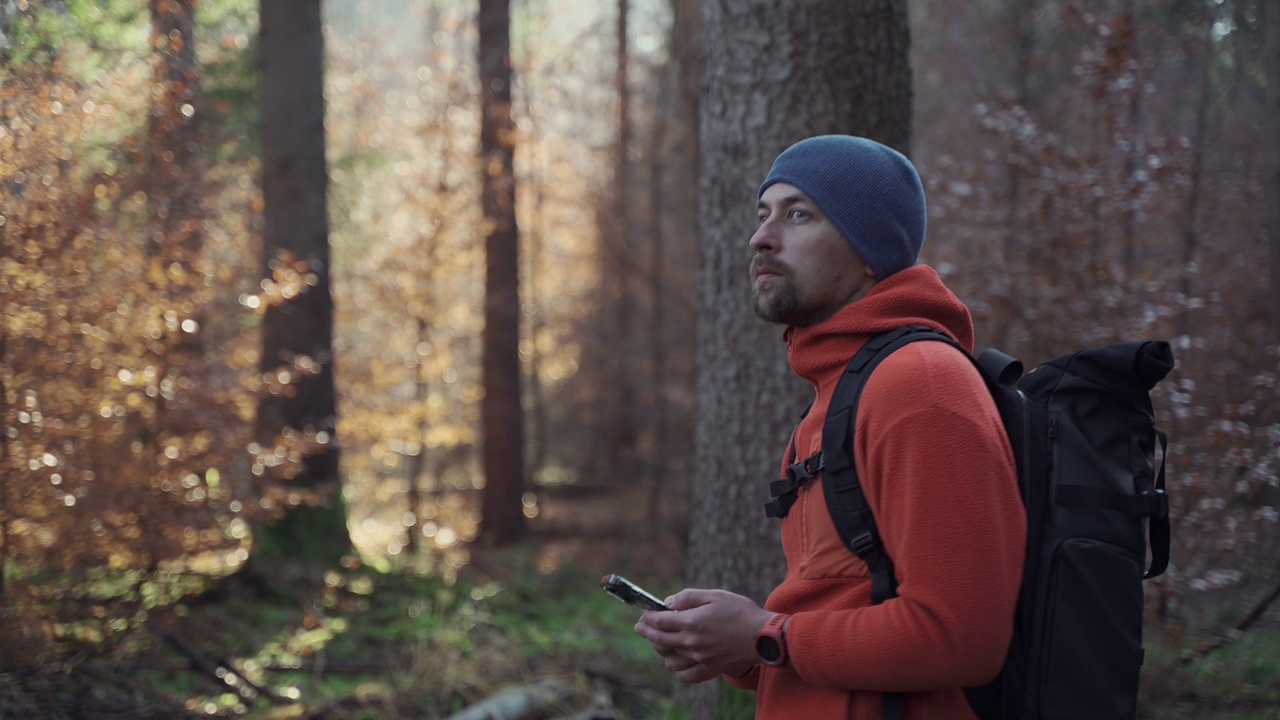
x=118 y=462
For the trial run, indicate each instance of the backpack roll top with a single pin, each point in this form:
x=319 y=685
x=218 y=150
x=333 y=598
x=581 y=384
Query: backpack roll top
x=1103 y=480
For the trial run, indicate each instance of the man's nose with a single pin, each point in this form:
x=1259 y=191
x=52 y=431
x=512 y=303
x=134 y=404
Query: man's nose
x=765 y=238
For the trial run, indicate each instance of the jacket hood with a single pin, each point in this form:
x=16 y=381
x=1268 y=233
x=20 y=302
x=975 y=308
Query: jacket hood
x=914 y=296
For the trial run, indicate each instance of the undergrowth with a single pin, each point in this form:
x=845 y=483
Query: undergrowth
x=365 y=644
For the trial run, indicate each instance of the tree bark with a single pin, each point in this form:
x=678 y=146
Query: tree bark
x=297 y=407
x=502 y=513
x=776 y=72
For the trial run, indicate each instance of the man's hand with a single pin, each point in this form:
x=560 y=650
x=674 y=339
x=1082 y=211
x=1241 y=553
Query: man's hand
x=707 y=633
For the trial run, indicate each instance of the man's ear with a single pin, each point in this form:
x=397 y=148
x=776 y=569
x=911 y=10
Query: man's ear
x=870 y=273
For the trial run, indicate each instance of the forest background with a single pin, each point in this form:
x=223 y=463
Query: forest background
x=342 y=352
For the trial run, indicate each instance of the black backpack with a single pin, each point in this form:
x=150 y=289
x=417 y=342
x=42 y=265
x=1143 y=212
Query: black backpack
x=1083 y=433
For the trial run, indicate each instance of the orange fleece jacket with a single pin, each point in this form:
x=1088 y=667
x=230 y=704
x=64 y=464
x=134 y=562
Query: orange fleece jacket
x=939 y=475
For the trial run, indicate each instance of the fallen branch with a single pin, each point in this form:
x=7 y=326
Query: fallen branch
x=1259 y=609
x=1235 y=632
x=525 y=703
x=220 y=670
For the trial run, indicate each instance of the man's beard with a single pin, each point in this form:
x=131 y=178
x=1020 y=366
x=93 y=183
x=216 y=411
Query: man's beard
x=775 y=304
x=781 y=304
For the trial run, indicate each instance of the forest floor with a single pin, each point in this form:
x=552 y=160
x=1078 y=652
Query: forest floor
x=530 y=621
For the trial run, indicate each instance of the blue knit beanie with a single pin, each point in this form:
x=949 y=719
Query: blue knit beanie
x=869 y=191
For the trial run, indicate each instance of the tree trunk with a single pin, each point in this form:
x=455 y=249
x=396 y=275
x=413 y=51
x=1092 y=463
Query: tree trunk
x=622 y=445
x=1191 y=224
x=173 y=136
x=776 y=72
x=657 y=345
x=612 y=455
x=1270 y=17
x=297 y=407
x=174 y=238
x=502 y=513
x=1013 y=315
x=417 y=469
x=6 y=472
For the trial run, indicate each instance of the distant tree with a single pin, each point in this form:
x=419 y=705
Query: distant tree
x=776 y=72
x=297 y=406
x=618 y=432
x=173 y=135
x=1270 y=17
x=502 y=421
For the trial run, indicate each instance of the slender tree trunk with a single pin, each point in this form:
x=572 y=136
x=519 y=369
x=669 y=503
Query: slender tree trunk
x=502 y=514
x=1270 y=17
x=174 y=238
x=657 y=345
x=175 y=174
x=1127 y=38
x=776 y=72
x=173 y=140
x=1190 y=225
x=418 y=463
x=533 y=238
x=618 y=429
x=6 y=474
x=1021 y=20
x=537 y=394
x=297 y=406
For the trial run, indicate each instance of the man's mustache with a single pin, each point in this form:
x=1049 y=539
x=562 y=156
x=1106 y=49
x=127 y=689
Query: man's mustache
x=760 y=264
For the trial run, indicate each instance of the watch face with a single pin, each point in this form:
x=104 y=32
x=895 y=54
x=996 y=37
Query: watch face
x=768 y=649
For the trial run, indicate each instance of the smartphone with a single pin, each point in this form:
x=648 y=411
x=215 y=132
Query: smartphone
x=630 y=593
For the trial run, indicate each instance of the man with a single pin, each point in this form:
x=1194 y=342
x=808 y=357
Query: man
x=842 y=221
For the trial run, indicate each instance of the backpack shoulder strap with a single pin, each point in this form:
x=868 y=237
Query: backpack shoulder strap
x=850 y=511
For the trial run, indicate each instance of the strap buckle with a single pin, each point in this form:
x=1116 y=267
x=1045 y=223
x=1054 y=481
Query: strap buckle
x=801 y=471
x=864 y=545
x=783 y=493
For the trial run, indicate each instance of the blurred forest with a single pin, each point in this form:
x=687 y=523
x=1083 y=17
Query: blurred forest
x=342 y=348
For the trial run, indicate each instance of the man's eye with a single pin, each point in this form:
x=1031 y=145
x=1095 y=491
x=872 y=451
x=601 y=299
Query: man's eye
x=761 y=218
x=797 y=214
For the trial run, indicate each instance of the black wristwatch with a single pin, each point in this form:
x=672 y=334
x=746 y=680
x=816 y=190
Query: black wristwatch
x=771 y=642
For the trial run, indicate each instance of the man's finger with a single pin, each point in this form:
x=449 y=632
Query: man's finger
x=655 y=635
x=664 y=650
x=669 y=622
x=689 y=598
x=696 y=674
x=678 y=663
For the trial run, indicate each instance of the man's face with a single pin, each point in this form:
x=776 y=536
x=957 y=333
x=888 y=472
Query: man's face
x=803 y=271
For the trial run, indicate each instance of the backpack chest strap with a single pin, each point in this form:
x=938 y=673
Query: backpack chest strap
x=783 y=493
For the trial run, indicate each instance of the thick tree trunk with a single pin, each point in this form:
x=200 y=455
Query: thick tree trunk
x=297 y=407
x=502 y=513
x=776 y=72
